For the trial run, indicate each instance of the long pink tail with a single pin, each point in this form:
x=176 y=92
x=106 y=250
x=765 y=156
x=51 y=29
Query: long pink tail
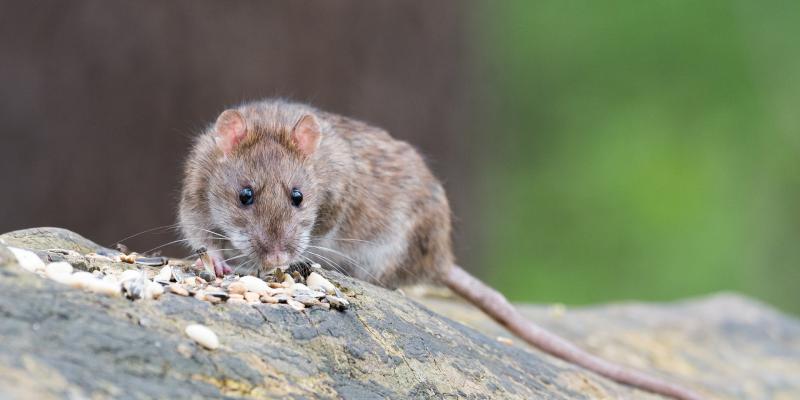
x=496 y=306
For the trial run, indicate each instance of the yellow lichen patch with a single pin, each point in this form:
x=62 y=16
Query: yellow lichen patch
x=226 y=386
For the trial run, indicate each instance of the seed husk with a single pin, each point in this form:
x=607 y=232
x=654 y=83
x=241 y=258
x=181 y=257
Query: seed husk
x=203 y=336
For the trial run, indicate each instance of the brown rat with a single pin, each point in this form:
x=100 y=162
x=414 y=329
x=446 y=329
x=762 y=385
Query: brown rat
x=274 y=182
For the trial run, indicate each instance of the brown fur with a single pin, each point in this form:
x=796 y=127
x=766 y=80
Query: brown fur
x=369 y=199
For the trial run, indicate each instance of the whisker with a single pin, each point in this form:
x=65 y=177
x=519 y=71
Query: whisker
x=143 y=232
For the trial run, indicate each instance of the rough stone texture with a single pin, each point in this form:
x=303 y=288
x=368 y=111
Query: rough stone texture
x=58 y=342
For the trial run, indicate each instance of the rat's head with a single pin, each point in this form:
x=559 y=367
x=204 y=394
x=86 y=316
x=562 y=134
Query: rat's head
x=263 y=192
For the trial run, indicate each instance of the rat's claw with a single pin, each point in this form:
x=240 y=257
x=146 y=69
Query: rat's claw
x=221 y=268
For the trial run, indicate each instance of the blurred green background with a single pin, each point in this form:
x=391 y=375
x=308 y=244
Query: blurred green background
x=640 y=150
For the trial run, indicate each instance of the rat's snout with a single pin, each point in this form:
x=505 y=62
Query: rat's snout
x=271 y=252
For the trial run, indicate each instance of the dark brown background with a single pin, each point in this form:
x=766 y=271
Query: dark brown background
x=100 y=99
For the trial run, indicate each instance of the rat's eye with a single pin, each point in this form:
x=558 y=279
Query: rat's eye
x=246 y=196
x=297 y=197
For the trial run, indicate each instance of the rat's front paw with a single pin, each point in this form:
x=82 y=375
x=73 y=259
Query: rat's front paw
x=221 y=268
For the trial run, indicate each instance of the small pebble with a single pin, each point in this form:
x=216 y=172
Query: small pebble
x=253 y=284
x=178 y=289
x=288 y=281
x=251 y=297
x=296 y=305
x=324 y=306
x=236 y=296
x=203 y=336
x=28 y=259
x=237 y=288
x=318 y=282
x=237 y=301
x=275 y=285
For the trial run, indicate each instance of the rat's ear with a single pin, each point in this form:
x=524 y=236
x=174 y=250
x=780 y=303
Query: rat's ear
x=230 y=130
x=306 y=135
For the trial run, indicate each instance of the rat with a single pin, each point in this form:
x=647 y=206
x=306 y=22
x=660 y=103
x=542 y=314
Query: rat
x=273 y=182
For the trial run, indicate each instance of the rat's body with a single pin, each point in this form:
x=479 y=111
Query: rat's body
x=284 y=182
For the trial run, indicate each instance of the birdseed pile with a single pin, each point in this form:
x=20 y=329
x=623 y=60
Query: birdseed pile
x=135 y=277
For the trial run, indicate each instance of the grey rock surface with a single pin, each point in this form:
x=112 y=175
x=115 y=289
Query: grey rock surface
x=58 y=342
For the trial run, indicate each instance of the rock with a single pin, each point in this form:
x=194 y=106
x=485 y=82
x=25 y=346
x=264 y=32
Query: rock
x=316 y=281
x=253 y=284
x=59 y=342
x=203 y=336
x=28 y=259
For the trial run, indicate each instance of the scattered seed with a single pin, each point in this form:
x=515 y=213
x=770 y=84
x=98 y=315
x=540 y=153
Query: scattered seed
x=203 y=336
x=337 y=302
x=281 y=298
x=265 y=298
x=153 y=290
x=505 y=340
x=237 y=288
x=129 y=274
x=151 y=261
x=28 y=259
x=307 y=300
x=128 y=258
x=254 y=284
x=58 y=268
x=219 y=294
x=251 y=297
x=178 y=289
x=165 y=275
x=296 y=305
x=103 y=287
x=318 y=282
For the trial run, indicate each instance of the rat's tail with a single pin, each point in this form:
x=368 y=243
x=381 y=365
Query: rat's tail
x=496 y=306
